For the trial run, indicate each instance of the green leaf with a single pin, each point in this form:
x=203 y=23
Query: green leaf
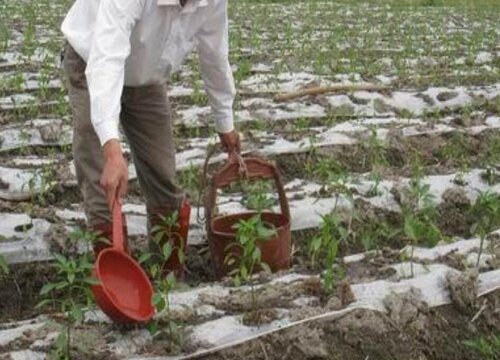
x=61 y=285
x=92 y=281
x=61 y=260
x=167 y=250
x=265 y=233
x=265 y=267
x=181 y=256
x=171 y=278
x=256 y=255
x=158 y=301
x=4 y=267
x=77 y=314
x=71 y=278
x=43 y=303
x=47 y=288
x=243 y=239
x=410 y=228
x=153 y=327
x=315 y=244
x=144 y=257
x=61 y=340
x=244 y=272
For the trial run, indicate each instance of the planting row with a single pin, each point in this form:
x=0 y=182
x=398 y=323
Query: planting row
x=281 y=302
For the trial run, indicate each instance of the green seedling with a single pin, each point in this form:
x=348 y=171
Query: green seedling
x=163 y=286
x=248 y=257
x=375 y=150
x=327 y=169
x=244 y=70
x=487 y=347
x=416 y=230
x=166 y=229
x=79 y=236
x=257 y=196
x=489 y=159
x=372 y=233
x=4 y=267
x=419 y=212
x=457 y=151
x=486 y=215
x=301 y=124
x=189 y=179
x=40 y=184
x=323 y=248
x=374 y=189
x=491 y=175
x=71 y=293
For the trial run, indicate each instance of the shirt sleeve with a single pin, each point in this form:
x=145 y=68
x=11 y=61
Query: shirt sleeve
x=213 y=50
x=105 y=70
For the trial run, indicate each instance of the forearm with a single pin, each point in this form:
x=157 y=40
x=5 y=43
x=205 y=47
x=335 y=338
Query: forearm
x=216 y=71
x=105 y=70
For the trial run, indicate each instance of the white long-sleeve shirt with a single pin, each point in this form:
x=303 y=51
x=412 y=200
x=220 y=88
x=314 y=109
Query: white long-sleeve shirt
x=140 y=42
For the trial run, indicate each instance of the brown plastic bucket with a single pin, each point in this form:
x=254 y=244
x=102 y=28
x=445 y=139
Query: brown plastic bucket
x=276 y=251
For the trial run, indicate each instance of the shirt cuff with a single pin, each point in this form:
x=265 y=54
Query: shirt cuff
x=224 y=124
x=107 y=130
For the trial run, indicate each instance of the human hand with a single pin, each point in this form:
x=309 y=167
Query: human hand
x=114 y=178
x=231 y=142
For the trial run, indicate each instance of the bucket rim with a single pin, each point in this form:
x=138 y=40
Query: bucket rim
x=286 y=221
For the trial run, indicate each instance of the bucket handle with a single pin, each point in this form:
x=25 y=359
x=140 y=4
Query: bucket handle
x=118 y=241
x=255 y=168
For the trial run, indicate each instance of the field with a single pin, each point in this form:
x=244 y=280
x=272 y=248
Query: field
x=394 y=190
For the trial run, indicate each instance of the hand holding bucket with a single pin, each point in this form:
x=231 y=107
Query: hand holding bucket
x=124 y=292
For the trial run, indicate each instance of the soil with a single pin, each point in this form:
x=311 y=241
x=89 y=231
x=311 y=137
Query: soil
x=399 y=153
x=20 y=290
x=409 y=331
x=27 y=279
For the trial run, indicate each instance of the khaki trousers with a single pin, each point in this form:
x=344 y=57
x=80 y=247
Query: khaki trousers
x=147 y=124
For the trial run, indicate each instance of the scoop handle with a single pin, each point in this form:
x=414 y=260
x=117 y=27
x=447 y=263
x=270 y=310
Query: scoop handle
x=118 y=241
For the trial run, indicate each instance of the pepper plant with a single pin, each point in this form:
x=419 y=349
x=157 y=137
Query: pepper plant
x=71 y=290
x=248 y=256
x=486 y=215
x=324 y=247
x=419 y=212
x=71 y=293
x=257 y=198
x=168 y=228
x=164 y=235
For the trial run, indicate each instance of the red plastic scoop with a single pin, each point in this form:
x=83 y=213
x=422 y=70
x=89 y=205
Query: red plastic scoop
x=124 y=292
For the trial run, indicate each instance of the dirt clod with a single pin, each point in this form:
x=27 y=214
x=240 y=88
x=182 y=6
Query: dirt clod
x=51 y=133
x=463 y=288
x=447 y=95
x=406 y=307
x=57 y=237
x=457 y=196
x=259 y=317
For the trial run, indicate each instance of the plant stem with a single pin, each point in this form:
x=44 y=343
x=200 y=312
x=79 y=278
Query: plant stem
x=481 y=244
x=68 y=340
x=412 y=257
x=254 y=300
